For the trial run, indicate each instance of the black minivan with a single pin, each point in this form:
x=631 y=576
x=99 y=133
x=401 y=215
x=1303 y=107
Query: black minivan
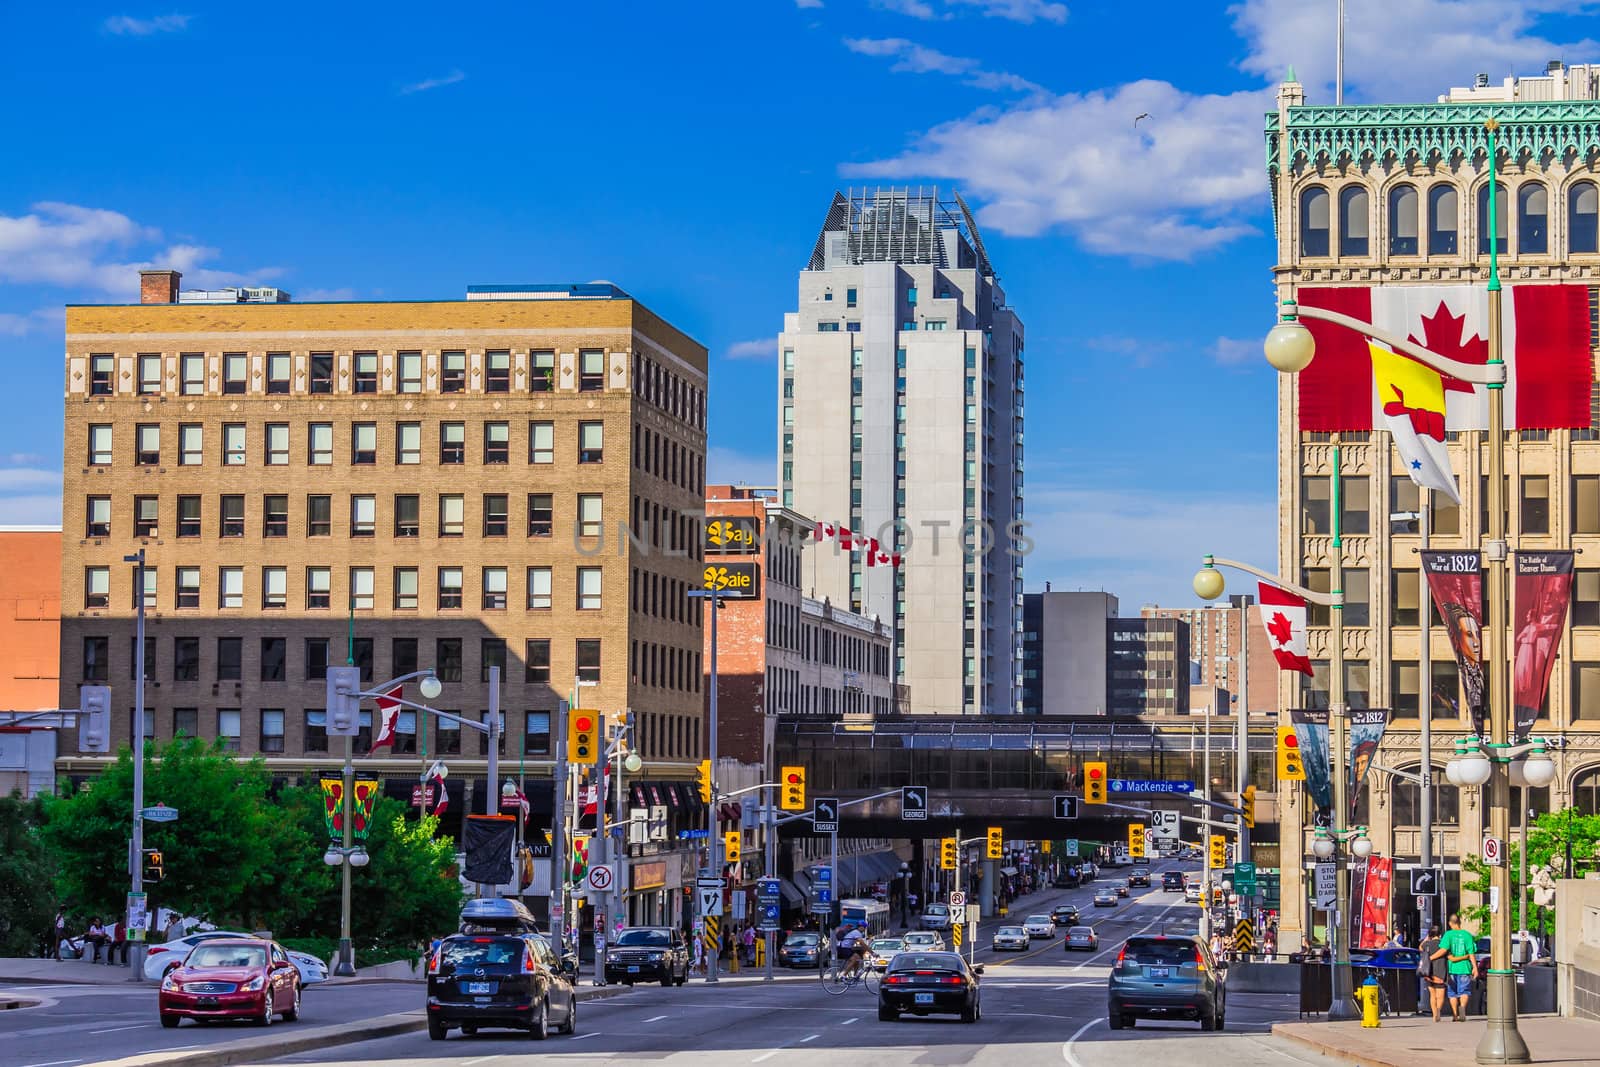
x=507 y=980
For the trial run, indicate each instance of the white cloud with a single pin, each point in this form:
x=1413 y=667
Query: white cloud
x=917 y=9
x=433 y=83
x=1235 y=351
x=129 y=26
x=30 y=495
x=804 y=4
x=17 y=479
x=912 y=58
x=16 y=325
x=761 y=348
x=41 y=510
x=727 y=466
x=1027 y=11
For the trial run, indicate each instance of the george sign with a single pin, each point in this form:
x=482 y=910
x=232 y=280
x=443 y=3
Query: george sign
x=601 y=878
x=1326 y=880
x=1425 y=881
x=1066 y=806
x=825 y=813
x=159 y=813
x=1494 y=852
x=738 y=535
x=735 y=581
x=710 y=901
x=958 y=899
x=1145 y=785
x=913 y=803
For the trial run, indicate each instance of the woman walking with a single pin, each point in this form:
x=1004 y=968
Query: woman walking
x=1432 y=972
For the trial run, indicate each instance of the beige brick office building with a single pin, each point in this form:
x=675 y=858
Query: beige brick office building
x=458 y=477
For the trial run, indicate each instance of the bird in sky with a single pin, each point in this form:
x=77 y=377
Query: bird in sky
x=1136 y=119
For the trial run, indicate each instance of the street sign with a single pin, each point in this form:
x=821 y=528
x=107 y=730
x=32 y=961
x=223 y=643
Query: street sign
x=913 y=803
x=1494 y=852
x=1327 y=885
x=1066 y=806
x=824 y=895
x=422 y=795
x=710 y=901
x=1425 y=881
x=138 y=916
x=974 y=913
x=958 y=899
x=1144 y=785
x=1069 y=847
x=824 y=876
x=769 y=917
x=826 y=815
x=1244 y=936
x=1244 y=879
x=1164 y=825
x=602 y=877
x=768 y=887
x=159 y=813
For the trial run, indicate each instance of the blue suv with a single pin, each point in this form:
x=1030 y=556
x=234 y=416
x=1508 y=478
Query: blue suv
x=1165 y=978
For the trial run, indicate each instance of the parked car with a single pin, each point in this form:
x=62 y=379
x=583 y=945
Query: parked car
x=1105 y=898
x=1039 y=926
x=882 y=950
x=1166 y=977
x=1064 y=914
x=924 y=941
x=1401 y=959
x=1011 y=938
x=804 y=949
x=1081 y=937
x=231 y=978
x=648 y=954
x=511 y=981
x=1139 y=878
x=936 y=917
x=929 y=983
x=1172 y=881
x=165 y=956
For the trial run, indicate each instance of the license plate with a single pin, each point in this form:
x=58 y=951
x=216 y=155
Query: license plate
x=924 y=998
x=205 y=1002
x=480 y=987
x=1160 y=972
x=633 y=969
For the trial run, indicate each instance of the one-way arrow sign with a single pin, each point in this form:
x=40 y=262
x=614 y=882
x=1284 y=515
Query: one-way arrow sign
x=1424 y=881
x=1066 y=806
x=913 y=803
x=825 y=815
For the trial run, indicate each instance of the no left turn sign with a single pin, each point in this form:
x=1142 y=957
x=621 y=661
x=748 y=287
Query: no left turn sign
x=600 y=878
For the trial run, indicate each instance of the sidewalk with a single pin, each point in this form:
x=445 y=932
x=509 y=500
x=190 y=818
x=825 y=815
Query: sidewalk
x=26 y=971
x=1412 y=1041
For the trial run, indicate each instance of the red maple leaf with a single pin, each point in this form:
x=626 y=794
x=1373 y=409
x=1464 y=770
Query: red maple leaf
x=1443 y=332
x=1280 y=629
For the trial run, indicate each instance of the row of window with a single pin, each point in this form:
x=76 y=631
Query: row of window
x=1444 y=220
x=1444 y=688
x=1533 y=505
x=363 y=444
x=669 y=391
x=657 y=454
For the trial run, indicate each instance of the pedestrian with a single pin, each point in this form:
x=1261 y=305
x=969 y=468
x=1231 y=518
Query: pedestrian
x=96 y=936
x=1431 y=972
x=1460 y=949
x=119 y=943
x=61 y=931
x=750 y=944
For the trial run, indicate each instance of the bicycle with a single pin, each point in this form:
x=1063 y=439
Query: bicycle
x=837 y=982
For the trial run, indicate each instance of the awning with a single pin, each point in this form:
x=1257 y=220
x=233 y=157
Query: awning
x=1009 y=872
x=791 y=896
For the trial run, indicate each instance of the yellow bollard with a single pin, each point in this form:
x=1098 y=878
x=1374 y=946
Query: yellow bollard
x=761 y=952
x=1368 y=996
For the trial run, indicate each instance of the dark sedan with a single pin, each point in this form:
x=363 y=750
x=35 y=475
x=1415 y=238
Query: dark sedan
x=930 y=983
x=802 y=950
x=648 y=954
x=1065 y=915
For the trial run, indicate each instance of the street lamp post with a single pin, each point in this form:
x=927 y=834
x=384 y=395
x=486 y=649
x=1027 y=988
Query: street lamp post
x=136 y=849
x=713 y=597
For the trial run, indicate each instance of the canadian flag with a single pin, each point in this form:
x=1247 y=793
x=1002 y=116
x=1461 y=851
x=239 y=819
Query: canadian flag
x=1284 y=616
x=389 y=713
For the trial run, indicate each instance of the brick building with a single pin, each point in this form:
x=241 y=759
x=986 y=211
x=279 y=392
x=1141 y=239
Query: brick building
x=30 y=633
x=1214 y=644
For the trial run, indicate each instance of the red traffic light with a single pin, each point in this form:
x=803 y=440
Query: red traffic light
x=585 y=723
x=1291 y=741
x=1094 y=773
x=793 y=779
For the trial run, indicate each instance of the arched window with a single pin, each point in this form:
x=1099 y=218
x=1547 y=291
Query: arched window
x=1533 y=219
x=1403 y=220
x=1500 y=214
x=1407 y=801
x=1586 y=792
x=1444 y=220
x=1583 y=218
x=1314 y=221
x=1353 y=221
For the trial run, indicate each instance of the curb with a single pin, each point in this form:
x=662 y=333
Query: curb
x=7 y=1005
x=1336 y=1051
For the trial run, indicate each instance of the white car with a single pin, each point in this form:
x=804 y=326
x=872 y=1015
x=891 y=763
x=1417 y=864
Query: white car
x=924 y=941
x=1039 y=926
x=1191 y=893
x=163 y=957
x=936 y=917
x=884 y=949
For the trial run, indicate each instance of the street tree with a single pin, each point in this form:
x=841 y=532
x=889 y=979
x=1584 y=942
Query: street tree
x=27 y=913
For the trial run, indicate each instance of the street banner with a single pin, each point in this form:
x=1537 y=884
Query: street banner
x=363 y=800
x=1353 y=919
x=333 y=807
x=1311 y=729
x=366 y=798
x=1456 y=581
x=1376 y=898
x=1366 y=734
x=1543 y=587
x=488 y=841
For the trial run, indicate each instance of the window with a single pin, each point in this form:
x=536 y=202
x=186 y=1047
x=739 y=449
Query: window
x=492 y=653
x=150 y=585
x=1403 y=220
x=234 y=370
x=277 y=444
x=363 y=516
x=407 y=516
x=191 y=453
x=449 y=588
x=589 y=510
x=1586 y=598
x=1535 y=504
x=496 y=442
x=1357 y=597
x=541 y=442
x=97 y=517
x=494 y=588
x=591 y=370
x=232 y=511
x=1355 y=499
x=366 y=372
x=447 y=659
x=1500 y=214
x=1316 y=579
x=1315 y=506
x=316 y=732
x=274 y=588
x=1583 y=218
x=319 y=515
x=97 y=587
x=228 y=729
x=541 y=514
x=495 y=511
x=591 y=442
x=319 y=588
x=454 y=378
x=230 y=659
x=849 y=298
x=188 y=516
x=452 y=515
x=316 y=659
x=1444 y=514
x=101 y=371
x=186 y=721
x=410 y=372
x=452 y=442
x=361 y=594
x=1586 y=504
x=1405 y=594
x=99 y=446
x=274 y=659
x=498 y=378
x=230 y=587
x=364 y=443
x=96 y=659
x=322 y=372
x=403 y=655
x=536 y=728
x=1353 y=221
x=588 y=588
x=448 y=737
x=1585 y=690
x=408 y=443
x=405 y=588
x=233 y=444
x=271 y=729
x=147 y=446
x=277 y=372
x=192 y=374
x=188 y=587
x=275 y=516
x=149 y=375
x=1314 y=221
x=319 y=444
x=185 y=659
x=543 y=378
x=1444 y=220
x=588 y=659
x=1533 y=219
x=538 y=588
x=146 y=516
x=536 y=664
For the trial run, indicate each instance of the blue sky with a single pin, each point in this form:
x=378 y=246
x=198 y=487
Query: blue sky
x=687 y=152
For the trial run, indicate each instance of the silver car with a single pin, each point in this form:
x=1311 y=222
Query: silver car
x=1011 y=939
x=1081 y=937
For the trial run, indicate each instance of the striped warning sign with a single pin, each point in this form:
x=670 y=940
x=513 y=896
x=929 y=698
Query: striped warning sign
x=955 y=936
x=1244 y=936
x=710 y=938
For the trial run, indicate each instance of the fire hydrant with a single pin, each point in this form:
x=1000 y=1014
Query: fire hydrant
x=1368 y=996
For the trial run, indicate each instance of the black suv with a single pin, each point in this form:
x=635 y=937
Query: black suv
x=1140 y=878
x=510 y=980
x=1172 y=881
x=648 y=954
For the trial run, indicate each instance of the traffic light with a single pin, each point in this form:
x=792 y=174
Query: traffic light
x=1044 y=847
x=1094 y=783
x=1136 y=840
x=94 y=725
x=996 y=843
x=947 y=853
x=731 y=842
x=702 y=777
x=344 y=706
x=793 y=780
x=1290 y=766
x=1219 y=852
x=155 y=865
x=583 y=736
x=1247 y=804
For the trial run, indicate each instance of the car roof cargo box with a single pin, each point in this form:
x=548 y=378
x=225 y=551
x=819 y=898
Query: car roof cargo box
x=493 y=915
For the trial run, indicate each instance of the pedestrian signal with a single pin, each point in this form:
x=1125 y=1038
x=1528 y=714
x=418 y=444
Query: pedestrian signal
x=155 y=865
x=1094 y=783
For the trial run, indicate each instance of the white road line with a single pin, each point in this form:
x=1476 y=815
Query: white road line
x=587 y=1033
x=1075 y=985
x=656 y=1019
x=847 y=1022
x=480 y=1059
x=118 y=1029
x=813 y=1037
x=767 y=1055
x=1066 y=1049
x=53 y=1063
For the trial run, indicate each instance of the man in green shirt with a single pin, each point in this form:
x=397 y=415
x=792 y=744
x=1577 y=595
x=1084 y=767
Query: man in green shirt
x=1460 y=949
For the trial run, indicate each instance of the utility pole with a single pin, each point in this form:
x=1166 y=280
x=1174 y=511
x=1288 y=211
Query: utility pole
x=1425 y=713
x=769 y=848
x=712 y=598
x=558 y=836
x=136 y=856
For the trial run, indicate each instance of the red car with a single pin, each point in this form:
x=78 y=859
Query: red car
x=232 y=978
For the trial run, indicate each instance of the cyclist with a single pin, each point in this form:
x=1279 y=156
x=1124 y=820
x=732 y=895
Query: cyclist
x=853 y=940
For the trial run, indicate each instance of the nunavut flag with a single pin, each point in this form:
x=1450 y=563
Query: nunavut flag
x=1544 y=341
x=1411 y=397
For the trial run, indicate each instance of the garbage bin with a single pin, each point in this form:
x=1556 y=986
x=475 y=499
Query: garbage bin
x=1536 y=988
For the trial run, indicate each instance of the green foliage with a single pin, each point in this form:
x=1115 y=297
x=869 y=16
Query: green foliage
x=1548 y=836
x=27 y=909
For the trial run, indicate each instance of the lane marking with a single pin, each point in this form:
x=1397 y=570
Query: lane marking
x=119 y=1029
x=767 y=1055
x=813 y=1037
x=1066 y=1049
x=480 y=1059
x=53 y=1063
x=586 y=1033
x=1076 y=985
x=847 y=1022
x=656 y=1019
